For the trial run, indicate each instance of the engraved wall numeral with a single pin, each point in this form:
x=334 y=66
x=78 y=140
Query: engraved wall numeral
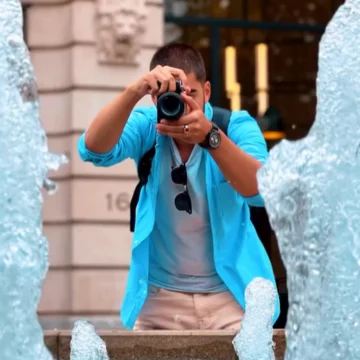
x=118 y=202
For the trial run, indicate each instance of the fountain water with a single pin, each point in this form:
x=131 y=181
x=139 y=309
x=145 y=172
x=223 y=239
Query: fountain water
x=24 y=163
x=254 y=341
x=311 y=189
x=86 y=344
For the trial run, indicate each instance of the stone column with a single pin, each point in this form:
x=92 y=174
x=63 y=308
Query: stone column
x=85 y=52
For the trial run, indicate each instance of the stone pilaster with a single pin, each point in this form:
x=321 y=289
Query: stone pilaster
x=85 y=52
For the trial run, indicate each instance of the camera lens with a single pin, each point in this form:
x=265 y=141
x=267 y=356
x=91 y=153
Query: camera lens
x=170 y=105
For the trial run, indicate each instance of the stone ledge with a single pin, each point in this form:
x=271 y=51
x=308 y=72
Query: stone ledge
x=162 y=345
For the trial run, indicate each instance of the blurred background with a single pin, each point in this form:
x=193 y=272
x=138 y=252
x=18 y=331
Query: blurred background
x=261 y=56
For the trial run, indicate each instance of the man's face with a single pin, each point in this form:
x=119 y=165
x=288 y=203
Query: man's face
x=200 y=92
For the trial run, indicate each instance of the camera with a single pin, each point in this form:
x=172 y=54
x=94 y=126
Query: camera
x=170 y=105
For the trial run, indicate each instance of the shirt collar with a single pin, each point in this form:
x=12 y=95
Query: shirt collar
x=208 y=111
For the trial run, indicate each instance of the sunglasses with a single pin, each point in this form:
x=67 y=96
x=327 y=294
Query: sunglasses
x=182 y=200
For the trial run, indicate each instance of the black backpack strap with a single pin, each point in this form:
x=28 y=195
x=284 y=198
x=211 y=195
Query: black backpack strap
x=144 y=169
x=221 y=117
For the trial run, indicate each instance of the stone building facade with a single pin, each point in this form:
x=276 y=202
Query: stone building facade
x=85 y=52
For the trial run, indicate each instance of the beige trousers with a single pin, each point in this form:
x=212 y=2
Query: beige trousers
x=170 y=310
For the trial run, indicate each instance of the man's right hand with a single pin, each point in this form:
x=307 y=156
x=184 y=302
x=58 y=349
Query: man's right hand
x=148 y=84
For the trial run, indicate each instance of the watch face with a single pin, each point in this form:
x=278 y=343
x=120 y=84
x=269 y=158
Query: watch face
x=214 y=139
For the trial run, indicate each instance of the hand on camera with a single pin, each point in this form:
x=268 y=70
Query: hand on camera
x=148 y=84
x=191 y=128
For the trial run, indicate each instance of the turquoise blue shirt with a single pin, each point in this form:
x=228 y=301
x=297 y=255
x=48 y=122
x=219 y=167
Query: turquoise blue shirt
x=239 y=255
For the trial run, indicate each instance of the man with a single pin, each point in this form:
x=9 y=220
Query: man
x=189 y=269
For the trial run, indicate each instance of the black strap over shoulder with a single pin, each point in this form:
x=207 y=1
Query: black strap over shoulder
x=221 y=117
x=143 y=170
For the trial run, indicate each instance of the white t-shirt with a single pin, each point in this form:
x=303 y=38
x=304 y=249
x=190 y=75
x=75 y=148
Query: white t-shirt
x=181 y=247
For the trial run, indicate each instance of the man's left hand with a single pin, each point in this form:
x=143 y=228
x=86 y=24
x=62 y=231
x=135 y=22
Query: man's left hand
x=191 y=128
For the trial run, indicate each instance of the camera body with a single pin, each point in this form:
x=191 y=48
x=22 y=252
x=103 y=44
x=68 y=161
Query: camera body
x=170 y=105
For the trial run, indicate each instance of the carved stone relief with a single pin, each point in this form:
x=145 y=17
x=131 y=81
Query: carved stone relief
x=120 y=25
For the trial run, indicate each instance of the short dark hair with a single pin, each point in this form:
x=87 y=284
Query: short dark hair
x=180 y=56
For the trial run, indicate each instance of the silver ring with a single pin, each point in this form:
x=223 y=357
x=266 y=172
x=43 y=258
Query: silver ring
x=186 y=129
